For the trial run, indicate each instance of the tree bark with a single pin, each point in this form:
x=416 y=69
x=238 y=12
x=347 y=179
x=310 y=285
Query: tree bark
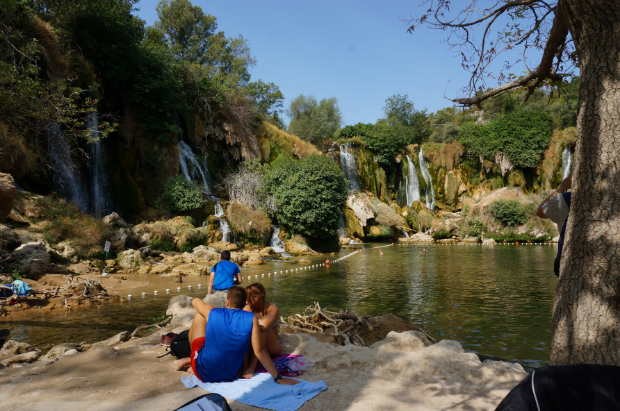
x=586 y=317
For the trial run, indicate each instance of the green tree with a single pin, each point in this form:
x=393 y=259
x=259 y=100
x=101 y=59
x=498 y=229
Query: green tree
x=311 y=199
x=314 y=121
x=182 y=195
x=267 y=97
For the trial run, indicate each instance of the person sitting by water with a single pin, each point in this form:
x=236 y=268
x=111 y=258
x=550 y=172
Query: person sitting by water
x=224 y=274
x=267 y=315
x=229 y=332
x=557 y=207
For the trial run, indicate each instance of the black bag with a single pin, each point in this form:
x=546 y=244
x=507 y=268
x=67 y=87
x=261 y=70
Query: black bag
x=180 y=346
x=217 y=399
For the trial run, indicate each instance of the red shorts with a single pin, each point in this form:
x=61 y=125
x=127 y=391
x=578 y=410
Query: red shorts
x=197 y=345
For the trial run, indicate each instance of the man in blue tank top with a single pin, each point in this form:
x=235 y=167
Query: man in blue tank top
x=222 y=338
x=223 y=274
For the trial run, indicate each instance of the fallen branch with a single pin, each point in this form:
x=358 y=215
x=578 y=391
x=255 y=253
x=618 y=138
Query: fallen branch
x=157 y=325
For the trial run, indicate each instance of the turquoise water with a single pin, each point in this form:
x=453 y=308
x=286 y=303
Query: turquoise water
x=494 y=300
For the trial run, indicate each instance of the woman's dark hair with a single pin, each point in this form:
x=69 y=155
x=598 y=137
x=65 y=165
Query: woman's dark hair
x=256 y=297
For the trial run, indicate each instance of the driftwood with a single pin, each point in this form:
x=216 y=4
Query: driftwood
x=157 y=325
x=346 y=326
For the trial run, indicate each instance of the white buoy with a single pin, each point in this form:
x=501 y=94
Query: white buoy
x=199 y=285
x=155 y=292
x=275 y=273
x=262 y=275
x=167 y=290
x=269 y=275
x=280 y=272
x=143 y=294
x=256 y=276
x=178 y=288
x=129 y=296
x=189 y=287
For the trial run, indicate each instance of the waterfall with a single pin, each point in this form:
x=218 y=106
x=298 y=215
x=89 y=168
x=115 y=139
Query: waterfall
x=192 y=167
x=405 y=233
x=66 y=179
x=567 y=160
x=224 y=227
x=430 y=200
x=276 y=243
x=98 y=181
x=412 y=185
x=342 y=227
x=349 y=167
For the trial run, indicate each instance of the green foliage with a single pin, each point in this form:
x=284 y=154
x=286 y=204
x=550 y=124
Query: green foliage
x=358 y=130
x=182 y=195
x=311 y=195
x=522 y=137
x=510 y=212
x=442 y=235
x=511 y=236
x=314 y=121
x=16 y=275
x=252 y=225
x=473 y=227
x=267 y=97
x=192 y=238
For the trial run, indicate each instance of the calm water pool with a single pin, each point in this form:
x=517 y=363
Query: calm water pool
x=494 y=300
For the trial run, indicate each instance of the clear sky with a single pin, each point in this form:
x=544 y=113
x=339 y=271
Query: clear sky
x=357 y=51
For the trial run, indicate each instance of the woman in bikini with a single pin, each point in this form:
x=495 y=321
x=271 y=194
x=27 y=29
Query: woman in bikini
x=267 y=314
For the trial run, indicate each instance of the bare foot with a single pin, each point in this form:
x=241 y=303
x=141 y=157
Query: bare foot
x=249 y=372
x=182 y=363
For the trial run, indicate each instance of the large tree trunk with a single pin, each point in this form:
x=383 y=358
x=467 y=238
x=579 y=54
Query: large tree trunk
x=586 y=317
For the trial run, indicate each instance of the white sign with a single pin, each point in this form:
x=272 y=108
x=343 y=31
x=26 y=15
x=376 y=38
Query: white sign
x=107 y=246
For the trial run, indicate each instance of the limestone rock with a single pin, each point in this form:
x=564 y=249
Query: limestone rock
x=190 y=269
x=130 y=259
x=222 y=246
x=204 y=254
x=115 y=219
x=62 y=253
x=266 y=252
x=297 y=245
x=344 y=241
x=8 y=194
x=60 y=349
x=159 y=268
x=8 y=238
x=354 y=229
x=217 y=299
x=418 y=238
x=12 y=347
x=470 y=240
x=180 y=306
x=488 y=241
x=362 y=207
x=112 y=341
x=83 y=269
x=184 y=258
x=19 y=358
x=30 y=259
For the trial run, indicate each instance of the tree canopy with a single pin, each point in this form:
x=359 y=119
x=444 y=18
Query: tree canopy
x=314 y=121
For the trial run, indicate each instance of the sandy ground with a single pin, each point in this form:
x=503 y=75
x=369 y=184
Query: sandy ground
x=400 y=373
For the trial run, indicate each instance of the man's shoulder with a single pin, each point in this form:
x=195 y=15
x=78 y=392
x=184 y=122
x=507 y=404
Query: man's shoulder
x=228 y=264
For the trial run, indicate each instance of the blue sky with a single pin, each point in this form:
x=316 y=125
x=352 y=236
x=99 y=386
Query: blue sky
x=357 y=51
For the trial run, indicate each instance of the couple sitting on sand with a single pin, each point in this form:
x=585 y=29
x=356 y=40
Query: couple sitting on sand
x=226 y=343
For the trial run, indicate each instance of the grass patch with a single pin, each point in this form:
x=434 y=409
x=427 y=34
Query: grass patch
x=252 y=225
x=442 y=235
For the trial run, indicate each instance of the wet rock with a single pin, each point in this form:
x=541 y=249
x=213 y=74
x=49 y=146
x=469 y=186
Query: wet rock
x=362 y=208
x=117 y=339
x=60 y=349
x=83 y=269
x=344 y=241
x=8 y=194
x=20 y=358
x=130 y=259
x=30 y=259
x=115 y=220
x=61 y=253
x=8 y=238
x=266 y=252
x=12 y=347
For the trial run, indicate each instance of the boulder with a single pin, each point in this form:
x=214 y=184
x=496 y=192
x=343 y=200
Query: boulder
x=253 y=258
x=60 y=349
x=184 y=258
x=12 y=347
x=204 y=254
x=361 y=206
x=344 y=241
x=112 y=341
x=298 y=245
x=14 y=359
x=181 y=310
x=418 y=238
x=470 y=240
x=222 y=246
x=8 y=194
x=62 y=253
x=239 y=258
x=9 y=239
x=354 y=229
x=130 y=259
x=266 y=252
x=83 y=269
x=30 y=259
x=217 y=299
x=115 y=220
x=488 y=241
x=159 y=268
x=190 y=269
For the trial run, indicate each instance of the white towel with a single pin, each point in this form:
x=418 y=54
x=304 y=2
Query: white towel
x=262 y=391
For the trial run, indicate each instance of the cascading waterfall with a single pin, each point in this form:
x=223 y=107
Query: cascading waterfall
x=412 y=185
x=567 y=161
x=342 y=227
x=224 y=227
x=99 y=203
x=66 y=179
x=430 y=199
x=192 y=167
x=349 y=167
x=405 y=233
x=276 y=243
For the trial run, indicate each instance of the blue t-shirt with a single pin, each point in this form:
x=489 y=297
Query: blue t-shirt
x=224 y=275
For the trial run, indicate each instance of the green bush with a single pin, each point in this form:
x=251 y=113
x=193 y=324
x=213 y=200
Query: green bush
x=474 y=227
x=510 y=212
x=311 y=197
x=192 y=238
x=511 y=236
x=182 y=195
x=442 y=235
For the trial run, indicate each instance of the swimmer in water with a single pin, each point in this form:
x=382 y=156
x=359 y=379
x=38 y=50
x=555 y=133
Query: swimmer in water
x=424 y=249
x=380 y=252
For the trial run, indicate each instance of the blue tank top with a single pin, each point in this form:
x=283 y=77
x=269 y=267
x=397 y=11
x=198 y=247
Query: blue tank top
x=227 y=340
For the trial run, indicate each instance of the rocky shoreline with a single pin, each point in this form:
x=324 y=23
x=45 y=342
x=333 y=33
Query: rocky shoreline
x=403 y=370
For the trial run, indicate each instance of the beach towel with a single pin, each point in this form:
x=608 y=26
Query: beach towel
x=262 y=391
x=288 y=365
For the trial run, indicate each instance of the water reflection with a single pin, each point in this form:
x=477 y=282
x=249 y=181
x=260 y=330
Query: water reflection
x=495 y=300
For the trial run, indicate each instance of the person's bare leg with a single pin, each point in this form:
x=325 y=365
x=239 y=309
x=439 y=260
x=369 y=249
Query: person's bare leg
x=273 y=344
x=197 y=330
x=253 y=361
